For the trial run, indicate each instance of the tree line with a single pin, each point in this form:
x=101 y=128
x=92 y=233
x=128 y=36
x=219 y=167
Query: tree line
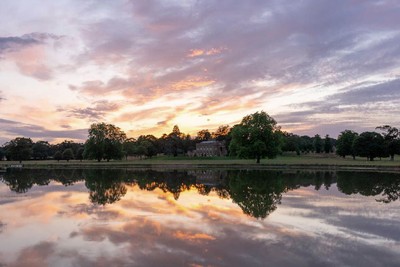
x=256 y=136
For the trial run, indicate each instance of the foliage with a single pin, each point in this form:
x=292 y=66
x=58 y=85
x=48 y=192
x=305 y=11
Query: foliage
x=222 y=133
x=2 y=153
x=317 y=143
x=291 y=143
x=328 y=146
x=58 y=155
x=203 y=135
x=369 y=144
x=392 y=143
x=19 y=149
x=256 y=136
x=68 y=154
x=104 y=142
x=344 y=145
x=79 y=154
x=41 y=150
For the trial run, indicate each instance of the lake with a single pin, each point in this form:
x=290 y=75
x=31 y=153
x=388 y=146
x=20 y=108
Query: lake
x=199 y=218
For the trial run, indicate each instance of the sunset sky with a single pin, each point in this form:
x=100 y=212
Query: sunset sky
x=316 y=66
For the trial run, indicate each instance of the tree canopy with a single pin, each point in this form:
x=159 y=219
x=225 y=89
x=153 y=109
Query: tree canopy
x=105 y=141
x=257 y=136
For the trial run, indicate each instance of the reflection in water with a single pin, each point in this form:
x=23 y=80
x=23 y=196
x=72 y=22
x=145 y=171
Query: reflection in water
x=256 y=192
x=198 y=218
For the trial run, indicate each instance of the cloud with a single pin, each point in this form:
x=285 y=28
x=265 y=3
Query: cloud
x=96 y=111
x=17 y=129
x=215 y=57
x=29 y=53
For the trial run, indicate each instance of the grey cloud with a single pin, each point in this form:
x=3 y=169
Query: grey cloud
x=95 y=112
x=15 y=42
x=14 y=128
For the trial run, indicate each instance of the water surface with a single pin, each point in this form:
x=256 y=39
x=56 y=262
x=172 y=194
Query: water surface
x=199 y=218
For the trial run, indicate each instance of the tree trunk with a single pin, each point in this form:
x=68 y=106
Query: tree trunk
x=98 y=160
x=392 y=157
x=258 y=159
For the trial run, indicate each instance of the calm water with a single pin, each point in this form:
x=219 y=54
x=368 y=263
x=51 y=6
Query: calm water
x=199 y=218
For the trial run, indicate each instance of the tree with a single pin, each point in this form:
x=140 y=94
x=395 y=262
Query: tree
x=19 y=149
x=256 y=136
x=291 y=143
x=392 y=142
x=41 y=150
x=79 y=154
x=203 y=135
x=317 y=144
x=129 y=147
x=328 y=147
x=58 y=156
x=68 y=154
x=221 y=134
x=369 y=144
x=173 y=142
x=147 y=145
x=104 y=142
x=2 y=153
x=344 y=145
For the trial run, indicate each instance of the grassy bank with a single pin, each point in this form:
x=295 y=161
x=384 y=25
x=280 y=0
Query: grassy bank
x=281 y=162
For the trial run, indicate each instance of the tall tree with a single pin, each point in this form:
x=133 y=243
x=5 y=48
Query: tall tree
x=203 y=135
x=391 y=137
x=41 y=150
x=68 y=154
x=344 y=145
x=104 y=142
x=19 y=149
x=222 y=133
x=328 y=146
x=317 y=143
x=257 y=136
x=369 y=144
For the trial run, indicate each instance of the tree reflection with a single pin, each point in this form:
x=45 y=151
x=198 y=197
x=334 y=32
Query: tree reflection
x=256 y=192
x=387 y=185
x=105 y=186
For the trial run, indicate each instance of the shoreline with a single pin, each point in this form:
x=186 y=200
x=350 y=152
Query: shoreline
x=198 y=165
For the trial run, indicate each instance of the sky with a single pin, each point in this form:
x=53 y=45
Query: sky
x=315 y=66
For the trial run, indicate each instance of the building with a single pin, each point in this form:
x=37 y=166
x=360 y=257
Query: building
x=209 y=149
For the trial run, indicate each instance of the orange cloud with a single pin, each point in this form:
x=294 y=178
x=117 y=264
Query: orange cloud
x=191 y=83
x=193 y=237
x=201 y=52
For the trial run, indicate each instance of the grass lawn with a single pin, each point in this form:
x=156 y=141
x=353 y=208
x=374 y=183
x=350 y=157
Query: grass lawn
x=303 y=161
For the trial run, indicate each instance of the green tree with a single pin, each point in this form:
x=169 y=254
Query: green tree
x=257 y=136
x=130 y=147
x=41 y=150
x=2 y=153
x=317 y=143
x=291 y=143
x=19 y=149
x=79 y=154
x=369 y=144
x=58 y=155
x=203 y=135
x=344 y=145
x=105 y=142
x=391 y=137
x=222 y=133
x=68 y=154
x=147 y=145
x=328 y=146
